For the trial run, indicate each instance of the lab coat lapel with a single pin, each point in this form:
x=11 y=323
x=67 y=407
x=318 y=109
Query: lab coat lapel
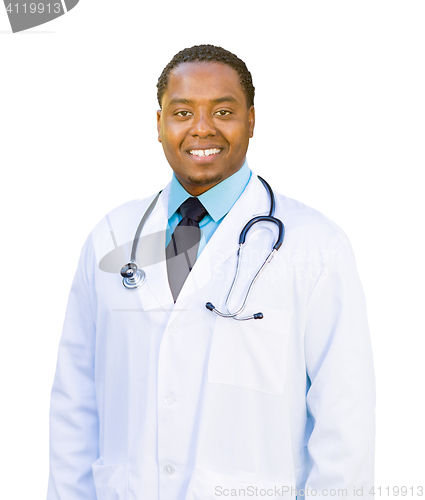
x=156 y=274
x=225 y=241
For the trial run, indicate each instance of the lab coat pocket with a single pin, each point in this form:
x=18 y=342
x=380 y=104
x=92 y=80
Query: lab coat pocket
x=110 y=480
x=208 y=485
x=251 y=354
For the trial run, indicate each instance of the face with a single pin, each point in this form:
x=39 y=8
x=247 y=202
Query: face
x=204 y=125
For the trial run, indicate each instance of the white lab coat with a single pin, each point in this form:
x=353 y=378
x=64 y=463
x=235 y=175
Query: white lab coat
x=156 y=400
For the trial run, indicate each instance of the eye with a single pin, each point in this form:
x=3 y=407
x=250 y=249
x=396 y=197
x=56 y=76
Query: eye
x=222 y=112
x=183 y=113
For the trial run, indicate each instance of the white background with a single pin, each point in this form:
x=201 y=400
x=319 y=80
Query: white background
x=340 y=126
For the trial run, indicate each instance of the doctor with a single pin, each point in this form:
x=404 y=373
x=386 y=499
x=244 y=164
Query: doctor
x=155 y=396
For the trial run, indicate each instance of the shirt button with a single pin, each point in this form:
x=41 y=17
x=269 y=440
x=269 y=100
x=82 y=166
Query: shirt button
x=168 y=399
x=174 y=328
x=168 y=469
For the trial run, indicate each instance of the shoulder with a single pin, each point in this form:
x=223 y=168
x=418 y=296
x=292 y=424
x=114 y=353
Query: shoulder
x=306 y=225
x=128 y=213
x=130 y=209
x=117 y=228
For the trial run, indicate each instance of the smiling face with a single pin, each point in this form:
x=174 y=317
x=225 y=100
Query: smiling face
x=204 y=125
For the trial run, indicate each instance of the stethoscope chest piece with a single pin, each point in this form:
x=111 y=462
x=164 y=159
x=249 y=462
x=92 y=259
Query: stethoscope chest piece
x=132 y=276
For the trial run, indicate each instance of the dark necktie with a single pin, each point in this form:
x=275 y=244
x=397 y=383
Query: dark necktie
x=182 y=250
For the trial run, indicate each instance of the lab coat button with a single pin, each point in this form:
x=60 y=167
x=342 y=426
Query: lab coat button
x=168 y=399
x=174 y=328
x=168 y=469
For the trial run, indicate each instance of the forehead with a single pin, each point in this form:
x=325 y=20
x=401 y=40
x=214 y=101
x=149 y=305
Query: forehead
x=200 y=81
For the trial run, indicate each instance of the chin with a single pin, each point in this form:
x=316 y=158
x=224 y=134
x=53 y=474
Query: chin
x=205 y=180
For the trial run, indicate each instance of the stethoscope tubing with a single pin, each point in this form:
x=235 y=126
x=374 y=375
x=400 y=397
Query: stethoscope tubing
x=140 y=227
x=133 y=277
x=242 y=239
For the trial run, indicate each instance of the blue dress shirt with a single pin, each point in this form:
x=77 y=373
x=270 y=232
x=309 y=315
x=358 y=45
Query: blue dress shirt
x=217 y=201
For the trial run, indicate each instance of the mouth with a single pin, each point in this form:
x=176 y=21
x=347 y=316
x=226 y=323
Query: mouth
x=202 y=153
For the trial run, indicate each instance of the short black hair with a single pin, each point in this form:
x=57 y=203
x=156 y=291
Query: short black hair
x=208 y=53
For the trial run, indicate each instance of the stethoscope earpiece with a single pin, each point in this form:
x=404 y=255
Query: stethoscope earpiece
x=211 y=307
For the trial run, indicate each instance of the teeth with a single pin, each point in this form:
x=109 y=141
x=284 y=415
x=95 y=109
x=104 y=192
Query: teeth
x=204 y=152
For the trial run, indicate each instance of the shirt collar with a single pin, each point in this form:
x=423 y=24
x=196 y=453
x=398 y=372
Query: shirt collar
x=218 y=200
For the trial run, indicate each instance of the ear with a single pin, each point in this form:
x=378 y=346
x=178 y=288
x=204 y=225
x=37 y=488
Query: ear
x=251 y=120
x=158 y=124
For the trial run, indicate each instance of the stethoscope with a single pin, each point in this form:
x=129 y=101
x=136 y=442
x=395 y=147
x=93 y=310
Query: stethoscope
x=133 y=277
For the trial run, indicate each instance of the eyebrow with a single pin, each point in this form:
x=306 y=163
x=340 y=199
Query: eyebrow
x=227 y=98
x=181 y=101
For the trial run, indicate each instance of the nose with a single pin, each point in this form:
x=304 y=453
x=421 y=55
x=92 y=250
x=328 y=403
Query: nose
x=202 y=125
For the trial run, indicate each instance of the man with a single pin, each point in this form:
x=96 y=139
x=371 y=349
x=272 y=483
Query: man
x=156 y=396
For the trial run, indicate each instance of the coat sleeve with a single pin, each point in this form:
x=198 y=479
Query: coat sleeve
x=74 y=425
x=341 y=397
